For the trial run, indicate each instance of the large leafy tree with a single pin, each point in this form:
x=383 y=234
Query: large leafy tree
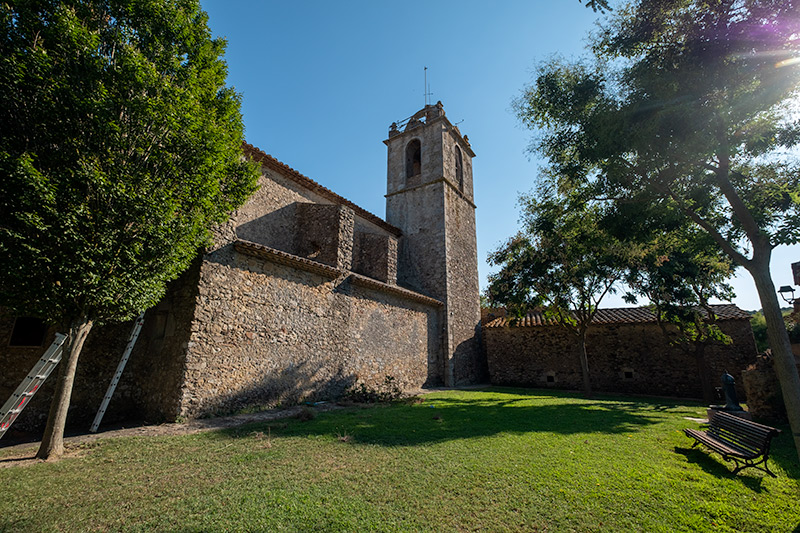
x=120 y=149
x=694 y=101
x=680 y=273
x=564 y=261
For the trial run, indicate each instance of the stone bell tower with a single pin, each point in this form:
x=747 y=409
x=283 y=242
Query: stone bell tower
x=430 y=198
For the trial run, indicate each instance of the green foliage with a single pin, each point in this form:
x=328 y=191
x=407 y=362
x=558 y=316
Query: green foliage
x=793 y=329
x=759 y=325
x=496 y=460
x=121 y=149
x=598 y=5
x=692 y=102
x=564 y=259
x=680 y=273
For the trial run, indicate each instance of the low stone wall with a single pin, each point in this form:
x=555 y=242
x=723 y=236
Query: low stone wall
x=764 y=397
x=626 y=358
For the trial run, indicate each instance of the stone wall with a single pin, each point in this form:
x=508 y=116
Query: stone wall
x=325 y=234
x=627 y=358
x=463 y=300
x=275 y=329
x=314 y=311
x=149 y=388
x=764 y=396
x=375 y=256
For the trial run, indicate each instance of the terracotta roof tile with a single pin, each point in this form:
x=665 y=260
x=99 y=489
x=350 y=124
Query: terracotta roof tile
x=622 y=315
x=270 y=162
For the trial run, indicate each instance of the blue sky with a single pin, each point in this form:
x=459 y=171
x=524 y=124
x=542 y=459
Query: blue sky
x=322 y=81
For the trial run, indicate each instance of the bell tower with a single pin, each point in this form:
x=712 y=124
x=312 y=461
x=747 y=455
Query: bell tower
x=429 y=196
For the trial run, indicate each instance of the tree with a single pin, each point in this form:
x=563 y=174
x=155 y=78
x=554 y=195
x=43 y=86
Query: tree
x=564 y=261
x=692 y=101
x=680 y=273
x=121 y=148
x=598 y=5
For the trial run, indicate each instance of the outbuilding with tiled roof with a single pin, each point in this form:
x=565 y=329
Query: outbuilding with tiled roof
x=628 y=352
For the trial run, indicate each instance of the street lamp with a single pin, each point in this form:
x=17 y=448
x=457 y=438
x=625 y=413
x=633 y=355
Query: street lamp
x=787 y=293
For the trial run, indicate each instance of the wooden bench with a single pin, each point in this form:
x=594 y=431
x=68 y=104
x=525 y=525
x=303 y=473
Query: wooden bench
x=736 y=439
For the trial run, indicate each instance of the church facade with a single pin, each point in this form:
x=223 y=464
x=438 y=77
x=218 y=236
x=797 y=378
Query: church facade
x=303 y=296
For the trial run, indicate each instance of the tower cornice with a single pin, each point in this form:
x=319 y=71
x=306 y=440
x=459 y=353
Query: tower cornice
x=426 y=184
x=463 y=143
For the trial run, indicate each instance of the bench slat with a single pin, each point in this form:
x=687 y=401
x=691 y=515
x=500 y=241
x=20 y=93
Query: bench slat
x=721 y=446
x=737 y=439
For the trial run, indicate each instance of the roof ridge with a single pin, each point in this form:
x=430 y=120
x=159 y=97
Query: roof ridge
x=614 y=315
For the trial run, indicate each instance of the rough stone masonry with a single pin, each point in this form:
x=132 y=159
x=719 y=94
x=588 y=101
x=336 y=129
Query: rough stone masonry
x=302 y=296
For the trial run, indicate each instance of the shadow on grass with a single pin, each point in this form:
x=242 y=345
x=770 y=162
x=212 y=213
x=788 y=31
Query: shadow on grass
x=782 y=453
x=480 y=414
x=702 y=458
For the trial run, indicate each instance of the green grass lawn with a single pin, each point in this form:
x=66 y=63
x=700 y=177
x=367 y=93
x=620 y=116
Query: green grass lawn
x=494 y=460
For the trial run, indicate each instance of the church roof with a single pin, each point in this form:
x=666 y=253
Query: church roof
x=621 y=315
x=285 y=170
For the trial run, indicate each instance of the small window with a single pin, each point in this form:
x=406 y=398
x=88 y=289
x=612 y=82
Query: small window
x=28 y=331
x=627 y=374
x=413 y=158
x=551 y=379
x=459 y=169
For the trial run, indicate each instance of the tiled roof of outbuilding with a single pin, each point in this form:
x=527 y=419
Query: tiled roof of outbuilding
x=621 y=315
x=285 y=170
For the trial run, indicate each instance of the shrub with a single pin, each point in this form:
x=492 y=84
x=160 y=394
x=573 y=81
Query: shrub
x=362 y=393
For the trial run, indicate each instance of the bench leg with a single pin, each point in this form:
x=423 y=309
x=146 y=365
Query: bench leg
x=740 y=465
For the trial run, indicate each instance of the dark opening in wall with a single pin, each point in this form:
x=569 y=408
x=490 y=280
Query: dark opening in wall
x=413 y=158
x=551 y=379
x=28 y=331
x=459 y=170
x=628 y=374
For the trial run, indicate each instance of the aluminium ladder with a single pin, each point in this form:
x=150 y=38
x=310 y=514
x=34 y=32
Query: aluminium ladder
x=30 y=385
x=137 y=328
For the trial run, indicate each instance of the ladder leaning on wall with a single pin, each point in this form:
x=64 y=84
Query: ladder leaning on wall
x=31 y=384
x=137 y=328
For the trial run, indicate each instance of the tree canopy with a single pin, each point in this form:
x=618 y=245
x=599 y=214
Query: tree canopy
x=121 y=148
x=695 y=102
x=564 y=260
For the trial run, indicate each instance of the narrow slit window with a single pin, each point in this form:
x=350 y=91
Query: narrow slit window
x=459 y=169
x=413 y=158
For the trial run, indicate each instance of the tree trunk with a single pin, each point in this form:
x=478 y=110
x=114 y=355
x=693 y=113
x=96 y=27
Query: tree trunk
x=704 y=372
x=587 y=383
x=52 y=446
x=783 y=360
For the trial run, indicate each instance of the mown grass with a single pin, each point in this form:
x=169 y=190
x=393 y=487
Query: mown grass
x=494 y=460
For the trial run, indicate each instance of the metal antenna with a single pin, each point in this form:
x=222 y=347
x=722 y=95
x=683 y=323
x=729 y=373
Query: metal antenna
x=426 y=90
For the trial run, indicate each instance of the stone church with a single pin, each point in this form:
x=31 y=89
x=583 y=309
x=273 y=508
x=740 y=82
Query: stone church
x=302 y=296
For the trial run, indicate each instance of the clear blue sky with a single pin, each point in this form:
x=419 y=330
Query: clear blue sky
x=321 y=81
